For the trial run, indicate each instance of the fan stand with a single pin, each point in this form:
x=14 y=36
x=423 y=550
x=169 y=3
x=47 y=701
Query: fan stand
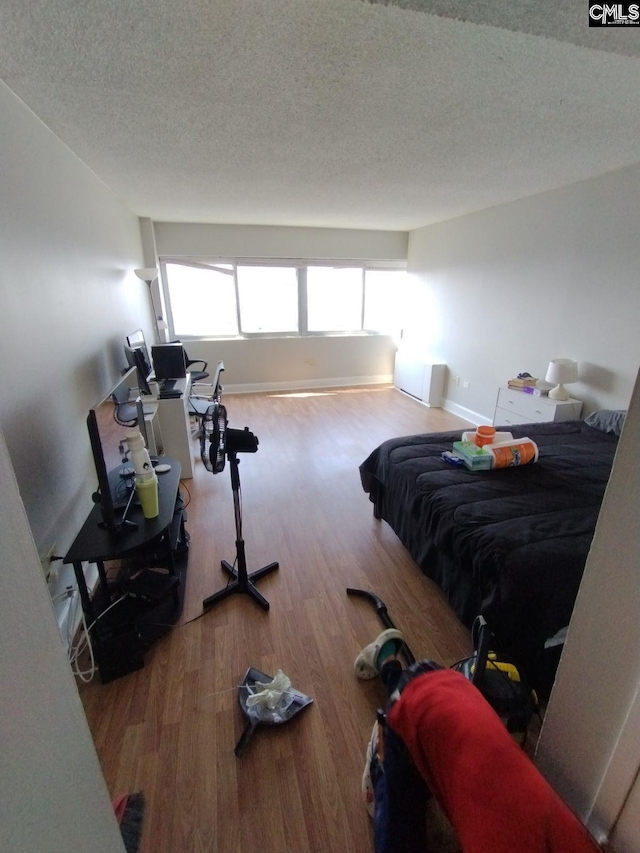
x=242 y=582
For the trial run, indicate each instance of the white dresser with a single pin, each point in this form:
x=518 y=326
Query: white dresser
x=517 y=407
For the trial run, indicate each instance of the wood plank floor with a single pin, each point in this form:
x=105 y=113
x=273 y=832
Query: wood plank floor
x=169 y=729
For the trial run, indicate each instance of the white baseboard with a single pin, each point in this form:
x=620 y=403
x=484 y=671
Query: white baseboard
x=468 y=414
x=308 y=384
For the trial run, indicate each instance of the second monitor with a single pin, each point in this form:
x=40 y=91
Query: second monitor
x=169 y=361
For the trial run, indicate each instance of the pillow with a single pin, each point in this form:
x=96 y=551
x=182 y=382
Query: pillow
x=607 y=420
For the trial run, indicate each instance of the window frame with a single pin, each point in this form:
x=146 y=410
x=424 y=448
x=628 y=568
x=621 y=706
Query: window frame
x=300 y=265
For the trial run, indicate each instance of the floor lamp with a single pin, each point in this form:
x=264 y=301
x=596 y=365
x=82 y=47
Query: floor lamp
x=149 y=275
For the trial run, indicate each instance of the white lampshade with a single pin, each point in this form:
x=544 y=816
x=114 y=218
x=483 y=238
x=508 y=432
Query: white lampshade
x=561 y=371
x=147 y=274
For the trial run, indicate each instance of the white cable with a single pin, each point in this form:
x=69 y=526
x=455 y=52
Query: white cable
x=87 y=674
x=71 y=620
x=106 y=610
x=77 y=649
x=85 y=641
x=71 y=594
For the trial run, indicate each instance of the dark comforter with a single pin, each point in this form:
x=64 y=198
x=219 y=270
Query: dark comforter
x=509 y=544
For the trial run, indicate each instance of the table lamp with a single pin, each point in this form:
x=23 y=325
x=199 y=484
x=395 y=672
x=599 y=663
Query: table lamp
x=561 y=371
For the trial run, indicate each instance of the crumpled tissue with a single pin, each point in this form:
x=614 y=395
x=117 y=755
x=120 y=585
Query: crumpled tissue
x=271 y=693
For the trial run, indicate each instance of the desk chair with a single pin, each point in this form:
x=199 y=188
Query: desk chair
x=199 y=403
x=125 y=411
x=197 y=408
x=196 y=375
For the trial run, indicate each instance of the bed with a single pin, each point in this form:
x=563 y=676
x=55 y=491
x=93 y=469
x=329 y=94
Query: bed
x=510 y=544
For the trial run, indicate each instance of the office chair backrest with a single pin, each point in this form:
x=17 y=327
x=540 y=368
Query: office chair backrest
x=124 y=411
x=196 y=375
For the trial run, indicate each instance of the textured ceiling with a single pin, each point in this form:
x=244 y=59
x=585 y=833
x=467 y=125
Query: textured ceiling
x=337 y=113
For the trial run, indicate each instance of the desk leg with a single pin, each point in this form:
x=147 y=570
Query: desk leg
x=171 y=565
x=102 y=574
x=87 y=606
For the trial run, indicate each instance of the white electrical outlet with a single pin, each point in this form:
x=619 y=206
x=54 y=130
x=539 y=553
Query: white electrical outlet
x=466 y=383
x=49 y=568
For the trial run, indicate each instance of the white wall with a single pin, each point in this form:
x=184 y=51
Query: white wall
x=268 y=364
x=68 y=299
x=54 y=798
x=505 y=290
x=273 y=363
x=589 y=747
x=176 y=239
x=556 y=275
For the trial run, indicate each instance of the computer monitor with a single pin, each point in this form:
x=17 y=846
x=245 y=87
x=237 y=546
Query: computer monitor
x=142 y=422
x=169 y=361
x=137 y=354
x=135 y=358
x=136 y=341
x=114 y=495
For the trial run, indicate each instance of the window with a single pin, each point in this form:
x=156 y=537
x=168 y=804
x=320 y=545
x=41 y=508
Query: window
x=268 y=298
x=334 y=299
x=385 y=296
x=230 y=298
x=202 y=299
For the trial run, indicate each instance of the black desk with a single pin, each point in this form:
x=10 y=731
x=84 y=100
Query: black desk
x=118 y=640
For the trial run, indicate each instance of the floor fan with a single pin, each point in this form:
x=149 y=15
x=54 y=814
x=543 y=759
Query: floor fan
x=217 y=444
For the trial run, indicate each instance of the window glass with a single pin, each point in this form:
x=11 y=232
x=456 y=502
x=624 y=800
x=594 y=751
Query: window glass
x=203 y=301
x=268 y=299
x=215 y=299
x=384 y=297
x=334 y=299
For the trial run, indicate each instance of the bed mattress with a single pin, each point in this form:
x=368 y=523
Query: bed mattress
x=510 y=544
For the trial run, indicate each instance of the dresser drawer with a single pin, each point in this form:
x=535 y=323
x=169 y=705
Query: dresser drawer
x=516 y=407
x=503 y=418
x=525 y=407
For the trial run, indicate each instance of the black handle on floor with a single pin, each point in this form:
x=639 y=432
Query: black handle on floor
x=381 y=610
x=245 y=737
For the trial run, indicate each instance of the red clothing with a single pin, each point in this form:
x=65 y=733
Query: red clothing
x=495 y=798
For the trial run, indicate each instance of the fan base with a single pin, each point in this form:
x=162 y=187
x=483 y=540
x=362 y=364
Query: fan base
x=241 y=584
